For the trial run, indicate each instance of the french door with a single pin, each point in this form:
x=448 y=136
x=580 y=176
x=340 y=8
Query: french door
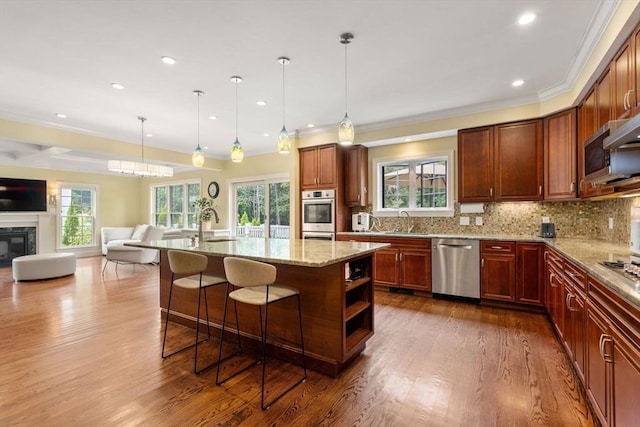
x=262 y=208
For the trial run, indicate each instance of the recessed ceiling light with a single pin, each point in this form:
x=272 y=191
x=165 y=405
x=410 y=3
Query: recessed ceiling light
x=261 y=103
x=517 y=83
x=407 y=139
x=265 y=134
x=213 y=117
x=117 y=86
x=526 y=18
x=149 y=135
x=206 y=147
x=61 y=116
x=310 y=125
x=168 y=60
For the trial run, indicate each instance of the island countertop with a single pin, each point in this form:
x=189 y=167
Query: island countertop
x=307 y=253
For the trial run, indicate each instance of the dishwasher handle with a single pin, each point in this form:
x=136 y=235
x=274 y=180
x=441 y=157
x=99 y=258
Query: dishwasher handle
x=449 y=245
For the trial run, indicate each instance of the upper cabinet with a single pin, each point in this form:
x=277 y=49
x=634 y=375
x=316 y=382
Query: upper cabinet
x=603 y=99
x=623 y=87
x=318 y=167
x=356 y=173
x=501 y=163
x=560 y=156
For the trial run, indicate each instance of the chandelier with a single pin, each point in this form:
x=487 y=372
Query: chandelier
x=139 y=168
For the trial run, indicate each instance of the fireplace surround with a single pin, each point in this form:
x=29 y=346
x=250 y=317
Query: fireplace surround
x=15 y=242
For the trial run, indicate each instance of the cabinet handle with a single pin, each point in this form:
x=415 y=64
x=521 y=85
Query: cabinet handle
x=396 y=257
x=482 y=263
x=496 y=247
x=569 y=306
x=400 y=257
x=608 y=358
x=540 y=190
x=580 y=186
x=625 y=101
x=544 y=256
x=551 y=282
x=600 y=346
x=572 y=187
x=567 y=301
x=364 y=189
x=491 y=191
x=358 y=197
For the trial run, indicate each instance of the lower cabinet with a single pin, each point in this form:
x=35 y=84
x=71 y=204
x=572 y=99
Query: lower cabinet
x=613 y=357
x=405 y=264
x=498 y=270
x=529 y=273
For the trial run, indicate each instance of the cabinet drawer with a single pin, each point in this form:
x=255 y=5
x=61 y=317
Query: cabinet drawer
x=575 y=275
x=554 y=260
x=498 y=247
x=416 y=242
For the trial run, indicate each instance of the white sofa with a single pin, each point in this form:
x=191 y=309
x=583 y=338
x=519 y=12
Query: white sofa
x=117 y=236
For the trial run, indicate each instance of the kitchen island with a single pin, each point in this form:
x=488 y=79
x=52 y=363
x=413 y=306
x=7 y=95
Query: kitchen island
x=335 y=280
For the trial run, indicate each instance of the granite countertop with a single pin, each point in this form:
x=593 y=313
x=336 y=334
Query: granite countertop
x=586 y=253
x=307 y=253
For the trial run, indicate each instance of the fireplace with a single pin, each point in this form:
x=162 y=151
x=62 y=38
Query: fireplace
x=15 y=242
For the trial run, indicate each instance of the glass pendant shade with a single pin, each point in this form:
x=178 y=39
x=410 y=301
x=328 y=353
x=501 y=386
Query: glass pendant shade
x=345 y=131
x=237 y=153
x=197 y=159
x=284 y=143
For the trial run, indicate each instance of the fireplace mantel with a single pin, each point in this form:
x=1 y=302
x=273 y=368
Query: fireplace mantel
x=43 y=221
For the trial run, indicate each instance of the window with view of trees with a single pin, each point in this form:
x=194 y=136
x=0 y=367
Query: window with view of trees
x=416 y=184
x=172 y=205
x=262 y=208
x=77 y=215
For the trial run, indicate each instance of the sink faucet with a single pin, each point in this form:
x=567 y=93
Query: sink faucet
x=409 y=222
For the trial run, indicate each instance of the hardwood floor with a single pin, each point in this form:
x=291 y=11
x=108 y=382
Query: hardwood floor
x=83 y=350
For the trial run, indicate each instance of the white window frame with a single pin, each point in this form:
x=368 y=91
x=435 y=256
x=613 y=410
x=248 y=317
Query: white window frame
x=59 y=232
x=152 y=201
x=447 y=211
x=261 y=179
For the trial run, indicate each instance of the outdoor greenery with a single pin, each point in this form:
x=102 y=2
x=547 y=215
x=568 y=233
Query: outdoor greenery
x=251 y=207
x=77 y=217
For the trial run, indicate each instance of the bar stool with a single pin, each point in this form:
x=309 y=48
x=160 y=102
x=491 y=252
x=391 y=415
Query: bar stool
x=255 y=281
x=191 y=265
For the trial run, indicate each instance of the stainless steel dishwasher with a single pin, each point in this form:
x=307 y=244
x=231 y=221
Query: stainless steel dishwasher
x=455 y=267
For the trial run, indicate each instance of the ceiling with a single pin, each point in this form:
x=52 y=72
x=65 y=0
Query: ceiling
x=410 y=60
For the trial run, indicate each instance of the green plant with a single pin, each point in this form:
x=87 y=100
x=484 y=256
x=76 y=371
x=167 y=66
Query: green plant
x=244 y=219
x=205 y=210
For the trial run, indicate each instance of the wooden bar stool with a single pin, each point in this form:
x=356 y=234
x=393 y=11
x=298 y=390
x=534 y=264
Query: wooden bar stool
x=191 y=266
x=255 y=281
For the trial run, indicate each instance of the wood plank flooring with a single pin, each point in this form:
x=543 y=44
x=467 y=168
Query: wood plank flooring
x=85 y=350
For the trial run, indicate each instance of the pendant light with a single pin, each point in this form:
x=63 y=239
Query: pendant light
x=139 y=168
x=284 y=144
x=345 y=128
x=237 y=153
x=197 y=159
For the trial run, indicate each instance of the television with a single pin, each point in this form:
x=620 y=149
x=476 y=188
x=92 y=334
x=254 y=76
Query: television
x=23 y=195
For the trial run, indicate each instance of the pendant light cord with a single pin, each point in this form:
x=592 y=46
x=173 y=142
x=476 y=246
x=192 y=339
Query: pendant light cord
x=236 y=110
x=199 y=94
x=142 y=119
x=283 y=93
x=345 y=78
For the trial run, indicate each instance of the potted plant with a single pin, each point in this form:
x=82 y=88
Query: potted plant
x=205 y=211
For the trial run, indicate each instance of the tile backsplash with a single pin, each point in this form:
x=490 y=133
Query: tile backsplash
x=571 y=219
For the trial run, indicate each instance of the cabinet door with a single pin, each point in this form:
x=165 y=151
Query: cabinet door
x=308 y=168
x=327 y=176
x=568 y=332
x=475 y=165
x=579 y=344
x=416 y=269
x=626 y=382
x=603 y=99
x=498 y=276
x=621 y=69
x=587 y=125
x=530 y=270
x=597 y=371
x=555 y=295
x=518 y=161
x=560 y=156
x=356 y=175
x=387 y=271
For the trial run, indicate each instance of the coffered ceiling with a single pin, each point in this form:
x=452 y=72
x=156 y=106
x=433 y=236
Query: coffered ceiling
x=410 y=60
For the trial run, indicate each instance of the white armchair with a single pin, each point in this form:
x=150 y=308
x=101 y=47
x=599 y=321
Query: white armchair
x=117 y=236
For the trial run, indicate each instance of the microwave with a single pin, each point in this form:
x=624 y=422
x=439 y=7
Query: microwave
x=603 y=165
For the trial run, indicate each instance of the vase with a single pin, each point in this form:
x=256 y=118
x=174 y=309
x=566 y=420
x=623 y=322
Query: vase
x=200 y=233
x=206 y=225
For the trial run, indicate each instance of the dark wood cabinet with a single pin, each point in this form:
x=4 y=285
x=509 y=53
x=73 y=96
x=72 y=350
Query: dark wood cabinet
x=497 y=270
x=356 y=175
x=518 y=161
x=560 y=156
x=554 y=291
x=529 y=273
x=501 y=163
x=603 y=99
x=318 y=167
x=405 y=264
x=635 y=43
x=475 y=165
x=625 y=381
x=623 y=84
x=598 y=370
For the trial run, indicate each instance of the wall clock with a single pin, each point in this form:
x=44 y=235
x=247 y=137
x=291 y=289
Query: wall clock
x=213 y=189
